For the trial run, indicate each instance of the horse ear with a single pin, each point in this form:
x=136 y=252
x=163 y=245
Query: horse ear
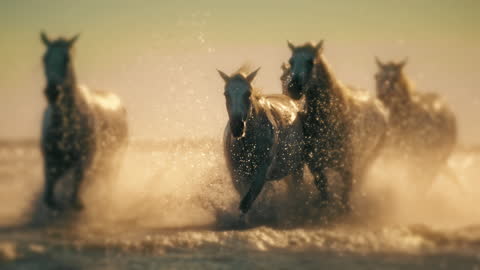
x=379 y=63
x=73 y=40
x=44 y=38
x=290 y=45
x=319 y=45
x=224 y=76
x=403 y=62
x=252 y=75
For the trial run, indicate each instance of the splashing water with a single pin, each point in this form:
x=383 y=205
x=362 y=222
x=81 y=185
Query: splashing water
x=172 y=204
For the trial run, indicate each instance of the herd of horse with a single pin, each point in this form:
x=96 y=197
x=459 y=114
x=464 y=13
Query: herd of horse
x=316 y=122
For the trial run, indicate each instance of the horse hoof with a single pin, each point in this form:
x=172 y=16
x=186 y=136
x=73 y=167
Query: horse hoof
x=243 y=220
x=244 y=207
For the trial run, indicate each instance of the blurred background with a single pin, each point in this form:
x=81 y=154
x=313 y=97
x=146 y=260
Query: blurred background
x=161 y=56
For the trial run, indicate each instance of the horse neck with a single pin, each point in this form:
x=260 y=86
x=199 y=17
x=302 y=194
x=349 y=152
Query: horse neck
x=403 y=99
x=255 y=113
x=325 y=94
x=68 y=99
x=256 y=107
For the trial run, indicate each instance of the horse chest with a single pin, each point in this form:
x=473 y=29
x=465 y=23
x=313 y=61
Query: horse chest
x=254 y=148
x=247 y=154
x=324 y=129
x=65 y=138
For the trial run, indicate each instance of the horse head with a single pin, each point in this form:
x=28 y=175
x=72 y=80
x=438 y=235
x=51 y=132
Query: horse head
x=302 y=64
x=389 y=79
x=238 y=92
x=57 y=63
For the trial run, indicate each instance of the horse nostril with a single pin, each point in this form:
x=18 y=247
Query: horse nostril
x=237 y=126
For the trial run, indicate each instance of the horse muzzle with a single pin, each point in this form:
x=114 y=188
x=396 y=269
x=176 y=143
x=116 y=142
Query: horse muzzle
x=386 y=84
x=237 y=126
x=295 y=88
x=52 y=92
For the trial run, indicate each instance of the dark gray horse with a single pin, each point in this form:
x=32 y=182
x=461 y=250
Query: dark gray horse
x=344 y=128
x=263 y=138
x=81 y=128
x=422 y=128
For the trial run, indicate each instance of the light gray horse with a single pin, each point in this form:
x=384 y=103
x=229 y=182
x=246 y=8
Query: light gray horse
x=344 y=128
x=263 y=139
x=82 y=129
x=422 y=128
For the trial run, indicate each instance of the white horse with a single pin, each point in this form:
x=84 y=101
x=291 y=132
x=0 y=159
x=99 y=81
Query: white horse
x=82 y=129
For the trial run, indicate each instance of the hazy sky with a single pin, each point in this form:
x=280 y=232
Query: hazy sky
x=160 y=56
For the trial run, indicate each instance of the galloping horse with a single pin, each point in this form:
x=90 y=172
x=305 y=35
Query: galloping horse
x=344 y=129
x=82 y=129
x=263 y=139
x=422 y=128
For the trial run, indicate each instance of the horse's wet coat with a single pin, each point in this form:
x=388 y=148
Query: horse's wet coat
x=270 y=146
x=344 y=128
x=82 y=129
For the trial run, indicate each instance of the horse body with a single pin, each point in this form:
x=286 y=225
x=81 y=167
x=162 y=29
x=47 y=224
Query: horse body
x=82 y=129
x=424 y=124
x=422 y=128
x=111 y=118
x=270 y=147
x=344 y=129
x=369 y=127
x=94 y=122
x=273 y=135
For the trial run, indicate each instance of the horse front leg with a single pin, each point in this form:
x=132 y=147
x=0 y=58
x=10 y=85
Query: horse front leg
x=52 y=175
x=75 y=200
x=296 y=192
x=258 y=182
x=321 y=182
x=82 y=170
x=317 y=165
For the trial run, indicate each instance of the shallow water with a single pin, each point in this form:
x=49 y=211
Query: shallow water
x=172 y=206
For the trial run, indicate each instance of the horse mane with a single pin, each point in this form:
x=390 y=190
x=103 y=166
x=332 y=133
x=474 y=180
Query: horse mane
x=245 y=69
x=406 y=86
x=325 y=80
x=255 y=99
